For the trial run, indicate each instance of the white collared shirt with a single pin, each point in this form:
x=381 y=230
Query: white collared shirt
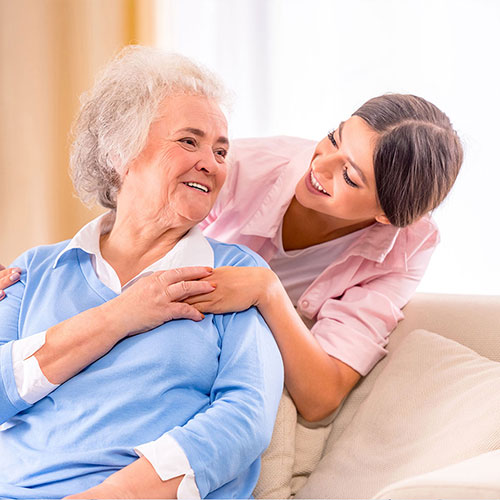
x=164 y=454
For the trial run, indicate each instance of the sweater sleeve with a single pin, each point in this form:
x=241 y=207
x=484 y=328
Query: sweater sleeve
x=231 y=434
x=11 y=402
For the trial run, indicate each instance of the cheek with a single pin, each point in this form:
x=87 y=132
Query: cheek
x=221 y=178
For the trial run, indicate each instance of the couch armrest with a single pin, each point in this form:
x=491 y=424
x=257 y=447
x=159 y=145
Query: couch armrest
x=476 y=477
x=471 y=320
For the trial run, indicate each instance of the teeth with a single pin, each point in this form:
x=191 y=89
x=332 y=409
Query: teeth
x=201 y=187
x=316 y=184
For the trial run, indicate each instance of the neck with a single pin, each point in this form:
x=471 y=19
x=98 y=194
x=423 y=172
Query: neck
x=135 y=242
x=303 y=227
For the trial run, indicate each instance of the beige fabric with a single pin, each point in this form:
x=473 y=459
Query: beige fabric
x=277 y=461
x=478 y=477
x=435 y=403
x=309 y=445
x=296 y=448
x=471 y=320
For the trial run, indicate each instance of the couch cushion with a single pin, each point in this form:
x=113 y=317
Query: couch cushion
x=476 y=478
x=277 y=461
x=435 y=403
x=294 y=452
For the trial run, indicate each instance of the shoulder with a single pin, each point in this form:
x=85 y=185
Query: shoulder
x=39 y=256
x=275 y=145
x=255 y=162
x=422 y=234
x=266 y=153
x=231 y=254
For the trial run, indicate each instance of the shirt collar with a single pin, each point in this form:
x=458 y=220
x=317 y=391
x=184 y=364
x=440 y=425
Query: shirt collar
x=374 y=243
x=193 y=249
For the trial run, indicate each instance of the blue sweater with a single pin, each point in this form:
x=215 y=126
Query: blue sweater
x=213 y=385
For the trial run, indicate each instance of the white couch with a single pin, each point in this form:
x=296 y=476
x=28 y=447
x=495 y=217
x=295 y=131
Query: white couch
x=425 y=423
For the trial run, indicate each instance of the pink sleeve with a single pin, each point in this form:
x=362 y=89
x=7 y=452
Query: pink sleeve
x=355 y=327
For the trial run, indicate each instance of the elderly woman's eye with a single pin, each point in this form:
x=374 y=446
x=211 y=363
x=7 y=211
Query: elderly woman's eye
x=188 y=141
x=220 y=154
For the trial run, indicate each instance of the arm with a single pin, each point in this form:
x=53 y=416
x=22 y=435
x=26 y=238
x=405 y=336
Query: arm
x=75 y=343
x=230 y=435
x=317 y=380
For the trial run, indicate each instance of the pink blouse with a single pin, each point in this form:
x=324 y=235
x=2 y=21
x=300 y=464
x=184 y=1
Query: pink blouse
x=357 y=300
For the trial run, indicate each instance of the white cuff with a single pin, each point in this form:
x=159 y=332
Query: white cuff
x=31 y=383
x=169 y=461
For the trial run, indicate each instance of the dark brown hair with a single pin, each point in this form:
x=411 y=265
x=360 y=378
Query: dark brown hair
x=417 y=156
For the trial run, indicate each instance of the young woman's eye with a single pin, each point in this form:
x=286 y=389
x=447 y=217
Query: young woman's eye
x=348 y=179
x=332 y=138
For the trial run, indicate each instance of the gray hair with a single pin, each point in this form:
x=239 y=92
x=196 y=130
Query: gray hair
x=115 y=115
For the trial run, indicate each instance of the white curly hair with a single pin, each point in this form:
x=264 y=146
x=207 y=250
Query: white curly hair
x=115 y=115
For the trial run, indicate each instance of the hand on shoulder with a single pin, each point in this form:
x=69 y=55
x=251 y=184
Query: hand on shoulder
x=7 y=278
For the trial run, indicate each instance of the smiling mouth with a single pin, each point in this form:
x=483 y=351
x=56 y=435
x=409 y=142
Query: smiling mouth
x=316 y=185
x=198 y=186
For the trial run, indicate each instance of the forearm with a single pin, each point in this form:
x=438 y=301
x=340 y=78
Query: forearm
x=77 y=342
x=137 y=480
x=316 y=381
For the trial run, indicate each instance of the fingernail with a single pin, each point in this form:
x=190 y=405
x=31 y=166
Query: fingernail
x=2 y=294
x=202 y=316
x=210 y=269
x=16 y=270
x=213 y=284
x=14 y=276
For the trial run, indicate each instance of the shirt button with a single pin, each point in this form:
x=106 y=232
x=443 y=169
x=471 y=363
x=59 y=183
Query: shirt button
x=305 y=304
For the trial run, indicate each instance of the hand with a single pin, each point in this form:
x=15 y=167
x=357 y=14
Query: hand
x=137 y=480
x=156 y=299
x=236 y=289
x=8 y=277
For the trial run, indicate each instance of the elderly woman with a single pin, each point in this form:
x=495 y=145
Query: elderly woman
x=125 y=361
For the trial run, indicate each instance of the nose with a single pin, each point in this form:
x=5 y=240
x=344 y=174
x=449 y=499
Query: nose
x=207 y=162
x=327 y=164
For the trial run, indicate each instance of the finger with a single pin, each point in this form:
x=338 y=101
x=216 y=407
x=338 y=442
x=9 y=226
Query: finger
x=179 y=310
x=196 y=299
x=208 y=307
x=184 y=274
x=2 y=267
x=184 y=289
x=9 y=277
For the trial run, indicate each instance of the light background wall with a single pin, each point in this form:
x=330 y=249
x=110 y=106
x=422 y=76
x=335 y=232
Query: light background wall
x=297 y=67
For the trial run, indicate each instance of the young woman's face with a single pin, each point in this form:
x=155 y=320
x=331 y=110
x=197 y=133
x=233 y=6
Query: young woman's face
x=340 y=181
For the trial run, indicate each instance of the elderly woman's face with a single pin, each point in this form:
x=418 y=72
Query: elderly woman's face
x=182 y=168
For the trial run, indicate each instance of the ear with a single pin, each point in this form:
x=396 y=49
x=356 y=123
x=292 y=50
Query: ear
x=382 y=219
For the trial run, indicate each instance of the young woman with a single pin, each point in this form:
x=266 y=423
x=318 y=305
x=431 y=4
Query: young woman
x=345 y=228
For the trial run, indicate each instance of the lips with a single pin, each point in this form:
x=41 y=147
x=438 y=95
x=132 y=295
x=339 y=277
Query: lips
x=314 y=185
x=198 y=186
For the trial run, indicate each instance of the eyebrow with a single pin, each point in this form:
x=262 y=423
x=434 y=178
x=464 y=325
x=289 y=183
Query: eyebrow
x=360 y=172
x=200 y=133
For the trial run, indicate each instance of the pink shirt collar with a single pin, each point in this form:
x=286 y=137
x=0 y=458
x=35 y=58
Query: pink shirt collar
x=374 y=244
